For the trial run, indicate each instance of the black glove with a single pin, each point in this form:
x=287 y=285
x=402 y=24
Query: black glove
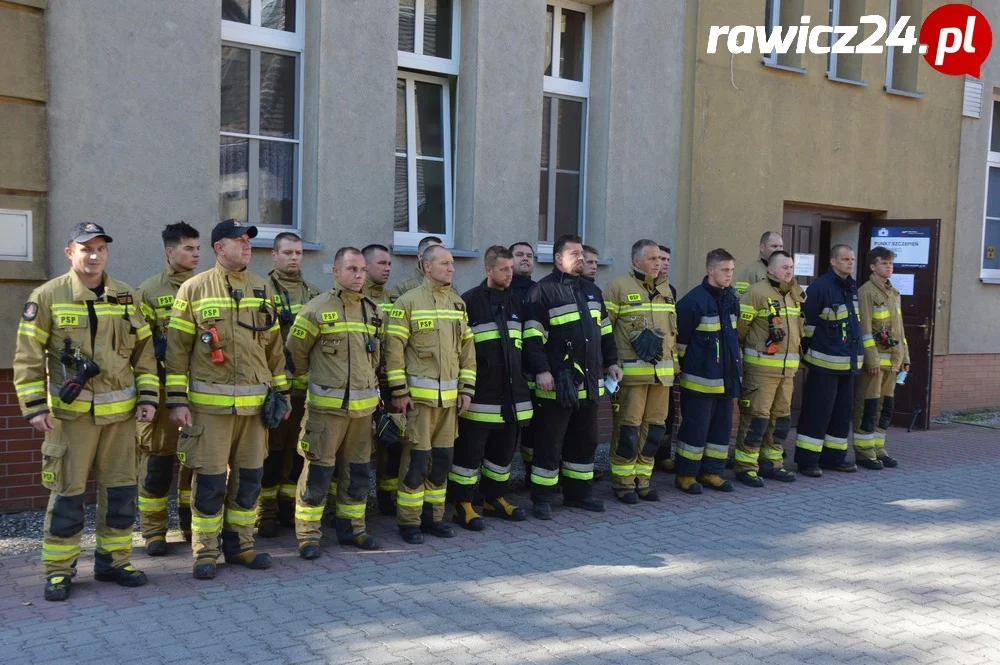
x=86 y=369
x=566 y=397
x=390 y=428
x=648 y=344
x=274 y=409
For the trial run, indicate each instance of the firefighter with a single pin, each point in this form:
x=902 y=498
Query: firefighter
x=283 y=465
x=524 y=268
x=84 y=373
x=334 y=346
x=770 y=331
x=643 y=316
x=225 y=365
x=664 y=456
x=711 y=376
x=886 y=354
x=431 y=372
x=417 y=278
x=834 y=353
x=158 y=440
x=770 y=243
x=569 y=342
x=378 y=262
x=488 y=431
x=591 y=260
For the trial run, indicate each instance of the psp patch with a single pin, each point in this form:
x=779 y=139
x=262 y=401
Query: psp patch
x=30 y=311
x=634 y=297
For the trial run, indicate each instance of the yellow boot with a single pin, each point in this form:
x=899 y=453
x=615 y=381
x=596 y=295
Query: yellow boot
x=715 y=482
x=687 y=484
x=466 y=517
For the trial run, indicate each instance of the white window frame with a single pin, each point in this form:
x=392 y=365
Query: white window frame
x=890 y=53
x=258 y=39
x=554 y=86
x=769 y=23
x=428 y=63
x=992 y=161
x=412 y=237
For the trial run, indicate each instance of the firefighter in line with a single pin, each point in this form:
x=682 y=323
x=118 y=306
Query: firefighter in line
x=834 y=351
x=334 y=346
x=378 y=263
x=489 y=430
x=664 y=456
x=770 y=243
x=225 y=365
x=431 y=373
x=711 y=376
x=591 y=261
x=84 y=373
x=770 y=331
x=569 y=343
x=886 y=356
x=417 y=278
x=283 y=465
x=643 y=315
x=524 y=268
x=158 y=440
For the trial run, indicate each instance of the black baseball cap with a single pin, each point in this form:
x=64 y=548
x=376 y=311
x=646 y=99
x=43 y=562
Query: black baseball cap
x=231 y=228
x=85 y=231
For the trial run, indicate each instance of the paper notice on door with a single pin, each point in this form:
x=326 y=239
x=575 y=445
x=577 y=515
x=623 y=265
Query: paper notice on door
x=805 y=265
x=903 y=284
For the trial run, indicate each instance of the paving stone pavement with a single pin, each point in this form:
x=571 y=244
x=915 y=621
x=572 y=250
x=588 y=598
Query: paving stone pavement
x=899 y=566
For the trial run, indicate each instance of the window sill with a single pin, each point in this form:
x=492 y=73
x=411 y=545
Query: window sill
x=268 y=243
x=784 y=68
x=903 y=93
x=837 y=79
x=410 y=250
x=990 y=280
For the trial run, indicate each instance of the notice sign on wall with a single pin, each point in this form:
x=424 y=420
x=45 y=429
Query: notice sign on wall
x=911 y=244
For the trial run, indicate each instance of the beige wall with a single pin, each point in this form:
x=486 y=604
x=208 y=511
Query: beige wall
x=24 y=167
x=759 y=137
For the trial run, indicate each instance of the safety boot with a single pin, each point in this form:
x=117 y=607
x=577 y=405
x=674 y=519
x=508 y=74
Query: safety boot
x=542 y=510
x=648 y=494
x=438 y=529
x=870 y=464
x=716 y=482
x=687 y=484
x=781 y=475
x=126 y=576
x=466 y=517
x=500 y=507
x=843 y=467
x=628 y=497
x=156 y=546
x=411 y=534
x=363 y=541
x=204 y=568
x=889 y=462
x=251 y=558
x=598 y=474
x=386 y=502
x=750 y=479
x=57 y=587
x=811 y=471
x=309 y=550
x=268 y=528
x=589 y=504
x=666 y=465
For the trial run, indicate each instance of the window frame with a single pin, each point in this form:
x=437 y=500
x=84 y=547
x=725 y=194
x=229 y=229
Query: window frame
x=832 y=72
x=430 y=63
x=257 y=40
x=992 y=275
x=890 y=55
x=577 y=91
x=410 y=238
x=771 y=20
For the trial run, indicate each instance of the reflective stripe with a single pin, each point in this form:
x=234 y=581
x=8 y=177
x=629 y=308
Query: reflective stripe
x=388 y=484
x=152 y=505
x=690 y=452
x=885 y=360
x=177 y=323
x=332 y=490
x=287 y=491
x=177 y=380
x=351 y=511
x=30 y=388
x=867 y=341
x=114 y=543
x=221 y=394
x=463 y=475
x=578 y=471
x=662 y=369
x=500 y=474
x=484 y=413
x=397 y=331
x=745 y=457
x=31 y=330
x=269 y=493
x=524 y=411
x=681 y=348
x=864 y=441
x=424 y=388
x=772 y=454
x=333 y=398
x=809 y=443
x=643 y=470
x=716 y=451
x=835 y=443
x=147 y=380
x=837 y=363
x=348 y=327
x=623 y=470
x=59 y=552
x=808 y=331
x=702 y=385
x=410 y=499
x=434 y=496
x=306 y=325
x=544 y=477
x=752 y=357
x=309 y=513
x=709 y=323
x=184 y=498
x=240 y=517
x=879 y=313
x=453 y=314
x=829 y=315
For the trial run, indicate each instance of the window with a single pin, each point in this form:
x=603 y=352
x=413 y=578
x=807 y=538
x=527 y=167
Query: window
x=901 y=68
x=783 y=14
x=260 y=158
x=991 y=225
x=428 y=67
x=566 y=90
x=846 y=66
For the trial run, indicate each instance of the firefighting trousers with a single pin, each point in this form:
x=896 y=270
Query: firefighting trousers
x=564 y=443
x=703 y=439
x=483 y=456
x=210 y=446
x=825 y=420
x=157 y=452
x=337 y=451
x=424 y=464
x=873 y=406
x=282 y=467
x=387 y=468
x=641 y=409
x=70 y=452
x=667 y=444
x=765 y=407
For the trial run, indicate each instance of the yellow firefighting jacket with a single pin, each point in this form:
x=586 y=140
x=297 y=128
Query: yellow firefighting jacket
x=252 y=361
x=335 y=342
x=879 y=306
x=429 y=347
x=379 y=295
x=410 y=283
x=635 y=302
x=757 y=306
x=121 y=345
x=753 y=273
x=157 y=299
x=291 y=293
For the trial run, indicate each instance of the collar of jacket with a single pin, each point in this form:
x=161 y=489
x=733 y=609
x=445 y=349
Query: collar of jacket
x=495 y=295
x=83 y=293
x=843 y=282
x=349 y=297
x=644 y=279
x=418 y=272
x=781 y=287
x=373 y=290
x=887 y=287
x=240 y=276
x=435 y=288
x=715 y=290
x=521 y=280
x=565 y=277
x=764 y=261
x=283 y=277
x=178 y=277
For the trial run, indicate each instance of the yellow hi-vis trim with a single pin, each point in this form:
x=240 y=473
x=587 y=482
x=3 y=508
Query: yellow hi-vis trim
x=351 y=511
x=59 y=552
x=309 y=513
x=152 y=505
x=114 y=543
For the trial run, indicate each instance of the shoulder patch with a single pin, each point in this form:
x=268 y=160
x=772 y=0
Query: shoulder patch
x=30 y=311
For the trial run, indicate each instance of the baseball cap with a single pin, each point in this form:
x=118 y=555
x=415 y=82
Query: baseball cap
x=85 y=231
x=231 y=228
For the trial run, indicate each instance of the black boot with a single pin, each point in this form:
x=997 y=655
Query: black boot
x=889 y=462
x=870 y=464
x=589 y=504
x=126 y=576
x=411 y=534
x=57 y=587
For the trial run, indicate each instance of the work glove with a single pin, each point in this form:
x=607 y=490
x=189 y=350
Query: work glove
x=71 y=388
x=648 y=344
x=566 y=397
x=390 y=428
x=274 y=409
